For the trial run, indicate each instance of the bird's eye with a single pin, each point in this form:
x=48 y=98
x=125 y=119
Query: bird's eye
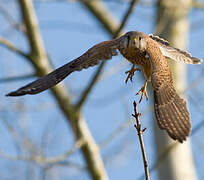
x=134 y=42
x=128 y=38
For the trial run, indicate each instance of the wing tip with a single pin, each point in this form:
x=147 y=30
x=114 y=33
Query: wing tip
x=197 y=61
x=19 y=92
x=180 y=139
x=15 y=93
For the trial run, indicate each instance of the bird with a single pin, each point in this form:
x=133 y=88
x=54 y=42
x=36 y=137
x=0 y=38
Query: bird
x=150 y=53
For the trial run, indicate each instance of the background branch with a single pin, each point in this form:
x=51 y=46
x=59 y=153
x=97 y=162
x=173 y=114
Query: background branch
x=40 y=61
x=14 y=49
x=111 y=29
x=17 y=78
x=197 y=5
x=39 y=159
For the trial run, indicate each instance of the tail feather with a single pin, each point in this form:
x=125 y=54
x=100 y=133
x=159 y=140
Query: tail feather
x=171 y=113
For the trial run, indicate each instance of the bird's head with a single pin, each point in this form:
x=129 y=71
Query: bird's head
x=136 y=39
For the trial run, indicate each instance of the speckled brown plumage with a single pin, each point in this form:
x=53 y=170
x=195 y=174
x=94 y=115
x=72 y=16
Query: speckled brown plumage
x=170 y=110
x=149 y=52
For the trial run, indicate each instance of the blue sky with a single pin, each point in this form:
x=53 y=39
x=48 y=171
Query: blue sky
x=68 y=30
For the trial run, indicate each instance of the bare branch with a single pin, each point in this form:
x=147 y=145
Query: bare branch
x=198 y=5
x=89 y=87
x=11 y=47
x=113 y=70
x=18 y=137
x=111 y=29
x=41 y=159
x=39 y=59
x=104 y=17
x=64 y=156
x=126 y=16
x=17 y=78
x=115 y=133
x=170 y=147
x=10 y=19
x=137 y=126
x=109 y=24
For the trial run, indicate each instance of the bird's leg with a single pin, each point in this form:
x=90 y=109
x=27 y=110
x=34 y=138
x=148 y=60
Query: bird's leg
x=143 y=90
x=131 y=73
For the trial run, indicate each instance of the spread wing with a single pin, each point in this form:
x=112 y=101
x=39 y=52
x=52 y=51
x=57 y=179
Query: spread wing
x=100 y=52
x=175 y=53
x=170 y=109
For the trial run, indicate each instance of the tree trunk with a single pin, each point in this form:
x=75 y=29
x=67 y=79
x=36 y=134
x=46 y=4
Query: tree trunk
x=172 y=24
x=38 y=58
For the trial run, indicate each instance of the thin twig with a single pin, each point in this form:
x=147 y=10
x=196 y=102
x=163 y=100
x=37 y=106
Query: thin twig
x=137 y=126
x=16 y=78
x=10 y=46
x=125 y=17
x=11 y=20
x=89 y=87
x=115 y=133
x=38 y=159
x=79 y=143
x=169 y=149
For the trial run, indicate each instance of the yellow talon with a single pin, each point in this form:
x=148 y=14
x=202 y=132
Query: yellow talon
x=131 y=73
x=143 y=90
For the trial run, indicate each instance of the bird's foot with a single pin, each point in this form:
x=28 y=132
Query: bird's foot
x=131 y=73
x=143 y=90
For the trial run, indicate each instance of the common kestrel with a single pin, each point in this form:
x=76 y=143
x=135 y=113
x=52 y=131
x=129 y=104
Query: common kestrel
x=140 y=49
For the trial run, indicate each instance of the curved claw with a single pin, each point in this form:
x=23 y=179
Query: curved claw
x=143 y=91
x=131 y=73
